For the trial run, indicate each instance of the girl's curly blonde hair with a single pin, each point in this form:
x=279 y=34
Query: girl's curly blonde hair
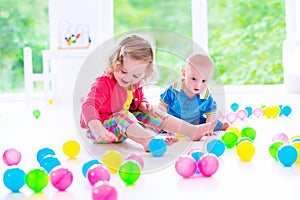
x=137 y=48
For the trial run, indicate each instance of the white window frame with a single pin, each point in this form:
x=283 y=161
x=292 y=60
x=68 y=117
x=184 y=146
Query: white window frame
x=200 y=36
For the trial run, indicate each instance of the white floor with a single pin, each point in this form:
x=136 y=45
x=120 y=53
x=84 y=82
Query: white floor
x=262 y=178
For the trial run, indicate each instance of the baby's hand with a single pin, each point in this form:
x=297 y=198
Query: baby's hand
x=210 y=131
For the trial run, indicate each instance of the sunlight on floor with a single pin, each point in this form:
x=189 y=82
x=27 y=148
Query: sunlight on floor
x=262 y=177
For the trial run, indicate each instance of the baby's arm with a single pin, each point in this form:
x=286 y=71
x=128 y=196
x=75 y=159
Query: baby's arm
x=100 y=132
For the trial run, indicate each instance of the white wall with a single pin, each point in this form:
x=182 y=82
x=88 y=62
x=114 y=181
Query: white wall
x=97 y=15
x=291 y=47
x=68 y=17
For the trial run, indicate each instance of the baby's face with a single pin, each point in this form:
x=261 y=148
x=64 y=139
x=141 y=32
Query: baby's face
x=195 y=81
x=131 y=72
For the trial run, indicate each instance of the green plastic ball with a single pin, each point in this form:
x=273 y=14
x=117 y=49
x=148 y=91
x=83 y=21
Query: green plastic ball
x=274 y=148
x=248 y=132
x=230 y=139
x=243 y=139
x=130 y=172
x=37 y=180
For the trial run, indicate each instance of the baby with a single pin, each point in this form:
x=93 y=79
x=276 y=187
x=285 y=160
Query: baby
x=189 y=98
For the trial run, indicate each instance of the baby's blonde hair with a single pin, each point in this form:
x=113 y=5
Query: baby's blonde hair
x=136 y=48
x=201 y=62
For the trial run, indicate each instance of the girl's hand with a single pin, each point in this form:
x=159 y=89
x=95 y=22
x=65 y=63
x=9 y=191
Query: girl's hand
x=100 y=132
x=106 y=136
x=146 y=107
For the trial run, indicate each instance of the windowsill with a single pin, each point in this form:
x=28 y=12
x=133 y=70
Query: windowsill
x=228 y=89
x=68 y=53
x=246 y=89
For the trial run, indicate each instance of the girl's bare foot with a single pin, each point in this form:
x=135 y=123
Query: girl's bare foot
x=171 y=140
x=204 y=129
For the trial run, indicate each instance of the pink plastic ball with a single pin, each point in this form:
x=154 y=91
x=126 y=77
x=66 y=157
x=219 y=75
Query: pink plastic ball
x=11 y=157
x=136 y=158
x=186 y=166
x=61 y=178
x=242 y=114
x=104 y=192
x=281 y=137
x=208 y=165
x=97 y=173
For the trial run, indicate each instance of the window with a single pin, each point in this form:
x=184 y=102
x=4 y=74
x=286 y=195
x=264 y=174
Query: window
x=244 y=37
x=245 y=40
x=22 y=23
x=168 y=14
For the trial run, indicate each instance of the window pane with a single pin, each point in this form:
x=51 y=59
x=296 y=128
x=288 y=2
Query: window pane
x=245 y=40
x=22 y=23
x=167 y=14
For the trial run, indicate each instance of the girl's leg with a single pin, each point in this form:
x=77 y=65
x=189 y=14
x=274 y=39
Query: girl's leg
x=129 y=127
x=194 y=132
x=164 y=121
x=140 y=135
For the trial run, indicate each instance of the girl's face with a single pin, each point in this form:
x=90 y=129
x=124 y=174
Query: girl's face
x=195 y=81
x=131 y=72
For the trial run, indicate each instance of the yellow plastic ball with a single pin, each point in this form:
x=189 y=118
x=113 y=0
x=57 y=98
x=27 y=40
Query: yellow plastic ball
x=234 y=129
x=178 y=135
x=245 y=150
x=50 y=101
x=71 y=148
x=297 y=146
x=112 y=160
x=294 y=138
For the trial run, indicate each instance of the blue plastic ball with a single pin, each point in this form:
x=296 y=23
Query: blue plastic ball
x=197 y=155
x=49 y=163
x=86 y=166
x=295 y=140
x=287 y=155
x=42 y=153
x=234 y=107
x=157 y=147
x=249 y=111
x=286 y=110
x=216 y=147
x=14 y=179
